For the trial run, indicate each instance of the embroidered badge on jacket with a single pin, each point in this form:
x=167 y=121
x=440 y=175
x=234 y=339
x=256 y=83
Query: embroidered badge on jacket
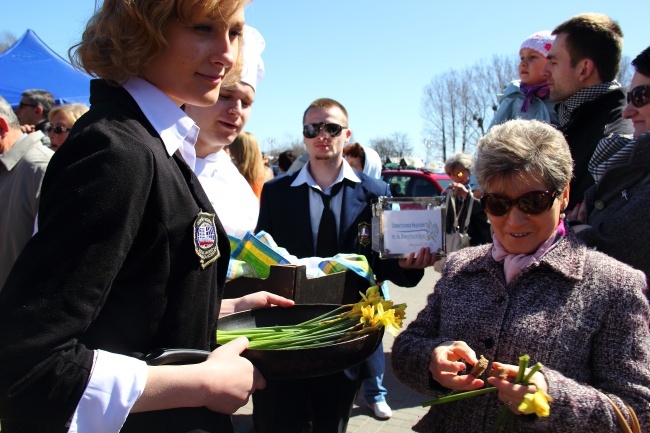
x=364 y=234
x=205 y=239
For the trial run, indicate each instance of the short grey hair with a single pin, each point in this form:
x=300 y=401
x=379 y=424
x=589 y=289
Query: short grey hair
x=42 y=98
x=518 y=148
x=7 y=113
x=460 y=159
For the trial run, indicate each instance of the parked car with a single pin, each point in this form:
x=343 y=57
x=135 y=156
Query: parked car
x=415 y=182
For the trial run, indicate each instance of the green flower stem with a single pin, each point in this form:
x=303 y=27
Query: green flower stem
x=503 y=416
x=459 y=396
x=534 y=369
x=523 y=364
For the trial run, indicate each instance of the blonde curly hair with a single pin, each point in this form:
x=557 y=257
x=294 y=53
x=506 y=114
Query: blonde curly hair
x=125 y=34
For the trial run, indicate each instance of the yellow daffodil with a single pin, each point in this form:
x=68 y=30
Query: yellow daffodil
x=345 y=322
x=536 y=403
x=385 y=318
x=367 y=314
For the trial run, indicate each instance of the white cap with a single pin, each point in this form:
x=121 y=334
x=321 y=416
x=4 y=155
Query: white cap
x=540 y=42
x=253 y=67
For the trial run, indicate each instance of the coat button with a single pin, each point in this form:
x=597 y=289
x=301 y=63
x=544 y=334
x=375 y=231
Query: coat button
x=599 y=205
x=489 y=343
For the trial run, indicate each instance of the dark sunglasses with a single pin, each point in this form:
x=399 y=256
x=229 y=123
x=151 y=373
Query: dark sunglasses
x=22 y=104
x=59 y=129
x=531 y=203
x=313 y=129
x=639 y=96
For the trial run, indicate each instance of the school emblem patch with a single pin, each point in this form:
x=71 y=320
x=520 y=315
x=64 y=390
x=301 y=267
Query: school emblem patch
x=364 y=234
x=205 y=239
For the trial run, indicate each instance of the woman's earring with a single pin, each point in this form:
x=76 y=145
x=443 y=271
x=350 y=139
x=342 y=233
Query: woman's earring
x=562 y=215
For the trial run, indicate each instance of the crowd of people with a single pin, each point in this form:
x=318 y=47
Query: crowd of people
x=103 y=207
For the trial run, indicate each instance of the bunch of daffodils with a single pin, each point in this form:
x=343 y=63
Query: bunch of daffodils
x=537 y=402
x=344 y=323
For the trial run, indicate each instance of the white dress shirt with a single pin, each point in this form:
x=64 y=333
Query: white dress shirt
x=315 y=201
x=231 y=195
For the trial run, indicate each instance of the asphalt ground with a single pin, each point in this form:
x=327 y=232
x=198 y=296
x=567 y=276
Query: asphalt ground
x=406 y=404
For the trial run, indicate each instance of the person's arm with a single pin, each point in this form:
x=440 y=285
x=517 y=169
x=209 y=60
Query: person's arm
x=619 y=362
x=254 y=300
x=414 y=346
x=64 y=274
x=223 y=383
x=621 y=230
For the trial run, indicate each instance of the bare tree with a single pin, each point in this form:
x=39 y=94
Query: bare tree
x=383 y=146
x=626 y=72
x=435 y=112
x=6 y=40
x=457 y=105
x=397 y=144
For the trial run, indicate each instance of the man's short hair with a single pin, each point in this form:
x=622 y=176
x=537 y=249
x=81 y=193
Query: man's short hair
x=42 y=98
x=642 y=62
x=596 y=37
x=325 y=103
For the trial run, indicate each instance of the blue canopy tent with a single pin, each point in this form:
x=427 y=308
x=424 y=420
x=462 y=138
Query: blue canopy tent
x=30 y=64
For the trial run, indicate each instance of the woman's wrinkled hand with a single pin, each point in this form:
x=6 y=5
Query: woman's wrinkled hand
x=446 y=364
x=512 y=395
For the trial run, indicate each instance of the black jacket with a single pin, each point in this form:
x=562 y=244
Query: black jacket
x=112 y=267
x=589 y=123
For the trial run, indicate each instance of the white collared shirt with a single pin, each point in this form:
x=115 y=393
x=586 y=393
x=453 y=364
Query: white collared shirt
x=315 y=201
x=117 y=381
x=231 y=195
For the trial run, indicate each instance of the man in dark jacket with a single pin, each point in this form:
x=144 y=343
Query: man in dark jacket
x=296 y=210
x=581 y=72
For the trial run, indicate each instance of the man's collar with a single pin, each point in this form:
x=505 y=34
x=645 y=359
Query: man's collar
x=16 y=152
x=567 y=107
x=304 y=176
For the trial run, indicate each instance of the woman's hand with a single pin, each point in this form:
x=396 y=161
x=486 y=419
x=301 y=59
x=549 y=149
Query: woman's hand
x=254 y=300
x=459 y=190
x=509 y=393
x=579 y=212
x=423 y=259
x=446 y=364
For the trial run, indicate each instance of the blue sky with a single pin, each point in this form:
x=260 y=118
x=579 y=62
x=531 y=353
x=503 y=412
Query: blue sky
x=373 y=56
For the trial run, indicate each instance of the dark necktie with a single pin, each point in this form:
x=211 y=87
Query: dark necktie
x=327 y=239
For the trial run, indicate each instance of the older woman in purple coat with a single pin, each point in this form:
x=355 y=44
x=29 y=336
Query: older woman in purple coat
x=535 y=290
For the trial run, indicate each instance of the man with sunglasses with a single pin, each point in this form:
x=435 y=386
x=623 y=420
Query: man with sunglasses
x=581 y=73
x=23 y=160
x=33 y=109
x=292 y=211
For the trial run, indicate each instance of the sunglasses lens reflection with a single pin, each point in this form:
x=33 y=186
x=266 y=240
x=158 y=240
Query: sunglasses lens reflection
x=532 y=203
x=639 y=96
x=313 y=129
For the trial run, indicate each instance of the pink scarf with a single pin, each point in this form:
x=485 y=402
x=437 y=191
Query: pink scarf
x=540 y=91
x=513 y=264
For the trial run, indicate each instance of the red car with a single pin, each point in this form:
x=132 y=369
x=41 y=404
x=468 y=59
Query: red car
x=415 y=182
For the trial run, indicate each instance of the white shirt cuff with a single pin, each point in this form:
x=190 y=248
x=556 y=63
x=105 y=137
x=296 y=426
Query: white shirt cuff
x=116 y=382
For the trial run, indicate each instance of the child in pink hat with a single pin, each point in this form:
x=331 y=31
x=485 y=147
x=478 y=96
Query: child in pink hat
x=528 y=97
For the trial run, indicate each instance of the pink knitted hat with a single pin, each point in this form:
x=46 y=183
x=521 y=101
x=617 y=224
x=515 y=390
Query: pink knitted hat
x=539 y=41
